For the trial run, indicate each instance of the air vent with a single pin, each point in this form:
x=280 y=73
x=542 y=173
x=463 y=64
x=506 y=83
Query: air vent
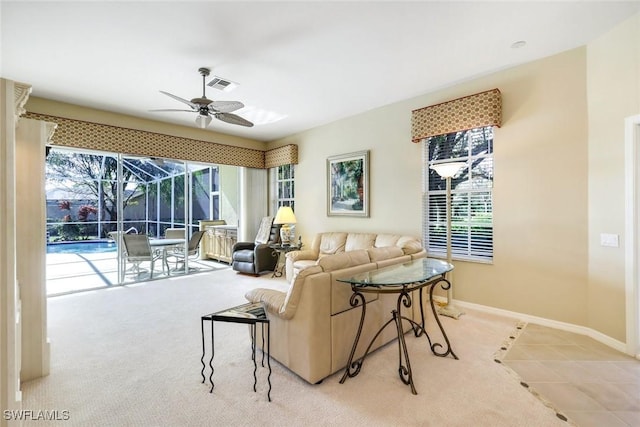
x=222 y=84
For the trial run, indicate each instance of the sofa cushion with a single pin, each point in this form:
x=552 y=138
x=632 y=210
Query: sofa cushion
x=409 y=245
x=383 y=240
x=331 y=243
x=343 y=260
x=357 y=241
x=384 y=253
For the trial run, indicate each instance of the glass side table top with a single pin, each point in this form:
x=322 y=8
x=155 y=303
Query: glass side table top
x=416 y=271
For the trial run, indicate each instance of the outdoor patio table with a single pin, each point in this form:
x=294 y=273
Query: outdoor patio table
x=164 y=243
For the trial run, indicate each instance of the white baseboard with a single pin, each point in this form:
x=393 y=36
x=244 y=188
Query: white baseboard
x=569 y=327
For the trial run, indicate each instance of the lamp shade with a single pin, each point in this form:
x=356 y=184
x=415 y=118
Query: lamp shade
x=203 y=121
x=285 y=215
x=448 y=170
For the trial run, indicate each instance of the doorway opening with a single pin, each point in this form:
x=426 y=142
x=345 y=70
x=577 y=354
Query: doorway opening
x=632 y=233
x=93 y=198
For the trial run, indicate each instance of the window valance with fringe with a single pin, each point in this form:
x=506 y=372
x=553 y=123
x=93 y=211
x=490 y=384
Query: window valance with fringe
x=100 y=137
x=469 y=112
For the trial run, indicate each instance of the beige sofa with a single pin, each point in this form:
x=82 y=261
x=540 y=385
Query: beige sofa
x=312 y=324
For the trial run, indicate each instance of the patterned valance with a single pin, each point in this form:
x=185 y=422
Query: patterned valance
x=286 y=155
x=481 y=109
x=100 y=137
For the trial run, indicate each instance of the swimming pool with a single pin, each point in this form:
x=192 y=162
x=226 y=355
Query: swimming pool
x=88 y=247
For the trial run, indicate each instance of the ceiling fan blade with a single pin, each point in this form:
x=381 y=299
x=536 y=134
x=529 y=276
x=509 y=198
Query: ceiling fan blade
x=172 y=109
x=177 y=98
x=225 y=106
x=234 y=119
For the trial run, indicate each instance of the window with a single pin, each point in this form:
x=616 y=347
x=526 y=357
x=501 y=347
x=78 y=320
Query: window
x=284 y=187
x=215 y=193
x=471 y=195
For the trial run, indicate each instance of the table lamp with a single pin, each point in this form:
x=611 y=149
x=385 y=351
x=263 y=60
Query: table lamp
x=447 y=171
x=286 y=217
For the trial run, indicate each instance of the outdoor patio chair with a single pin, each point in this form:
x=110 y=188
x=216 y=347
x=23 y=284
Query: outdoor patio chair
x=175 y=233
x=138 y=250
x=179 y=253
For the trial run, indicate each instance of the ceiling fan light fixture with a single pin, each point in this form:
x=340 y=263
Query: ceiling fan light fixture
x=203 y=121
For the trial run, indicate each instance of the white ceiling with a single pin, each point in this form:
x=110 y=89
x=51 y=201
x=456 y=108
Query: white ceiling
x=314 y=62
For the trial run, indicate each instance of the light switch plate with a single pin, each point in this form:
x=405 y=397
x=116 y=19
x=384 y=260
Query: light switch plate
x=610 y=240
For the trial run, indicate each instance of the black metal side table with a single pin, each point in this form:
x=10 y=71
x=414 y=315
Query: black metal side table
x=278 y=251
x=251 y=314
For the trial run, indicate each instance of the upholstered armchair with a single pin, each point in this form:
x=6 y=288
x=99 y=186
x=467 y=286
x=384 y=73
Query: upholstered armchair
x=257 y=257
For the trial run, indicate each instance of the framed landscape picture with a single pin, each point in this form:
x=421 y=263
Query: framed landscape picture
x=348 y=184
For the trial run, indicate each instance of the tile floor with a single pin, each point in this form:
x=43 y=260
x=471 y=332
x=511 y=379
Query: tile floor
x=588 y=382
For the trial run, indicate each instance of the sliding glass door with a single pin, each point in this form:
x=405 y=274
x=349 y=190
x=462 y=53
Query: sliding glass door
x=95 y=199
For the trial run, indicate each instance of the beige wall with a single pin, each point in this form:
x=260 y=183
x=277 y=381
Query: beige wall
x=395 y=180
x=613 y=83
x=540 y=188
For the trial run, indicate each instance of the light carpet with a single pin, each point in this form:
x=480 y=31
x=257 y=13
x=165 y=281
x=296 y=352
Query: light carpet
x=130 y=356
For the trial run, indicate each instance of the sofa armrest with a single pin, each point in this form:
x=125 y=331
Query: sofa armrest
x=265 y=257
x=298 y=255
x=273 y=300
x=292 y=257
x=283 y=305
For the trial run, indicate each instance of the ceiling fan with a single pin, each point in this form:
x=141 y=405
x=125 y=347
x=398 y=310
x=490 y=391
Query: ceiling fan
x=207 y=108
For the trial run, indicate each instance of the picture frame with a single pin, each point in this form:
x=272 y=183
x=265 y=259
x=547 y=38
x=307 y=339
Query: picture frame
x=348 y=184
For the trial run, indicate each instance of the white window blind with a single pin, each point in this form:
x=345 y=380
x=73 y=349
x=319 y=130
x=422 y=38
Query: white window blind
x=471 y=195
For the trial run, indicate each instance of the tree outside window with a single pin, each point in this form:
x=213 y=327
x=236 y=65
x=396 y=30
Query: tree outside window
x=471 y=195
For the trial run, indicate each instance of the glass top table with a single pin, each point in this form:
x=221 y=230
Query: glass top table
x=402 y=279
x=400 y=275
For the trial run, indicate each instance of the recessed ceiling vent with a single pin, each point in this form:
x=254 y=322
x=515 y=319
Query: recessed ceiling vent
x=222 y=84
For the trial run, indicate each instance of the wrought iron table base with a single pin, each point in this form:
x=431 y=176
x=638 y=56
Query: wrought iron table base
x=279 y=252
x=277 y=270
x=252 y=326
x=404 y=299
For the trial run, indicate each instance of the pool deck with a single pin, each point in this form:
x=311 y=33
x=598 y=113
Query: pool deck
x=83 y=271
